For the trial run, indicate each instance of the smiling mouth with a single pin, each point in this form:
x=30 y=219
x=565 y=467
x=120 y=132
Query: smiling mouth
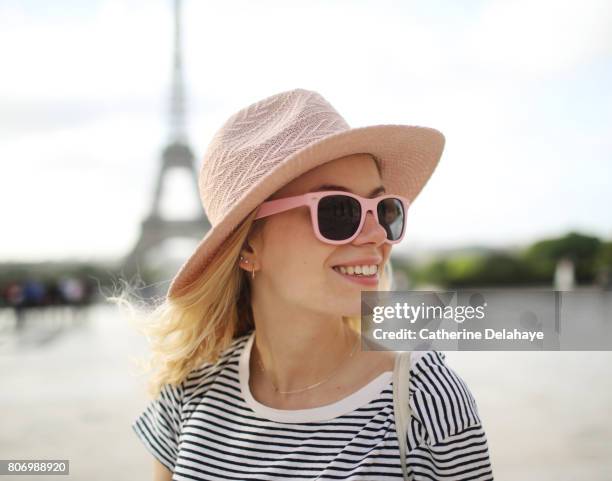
x=356 y=274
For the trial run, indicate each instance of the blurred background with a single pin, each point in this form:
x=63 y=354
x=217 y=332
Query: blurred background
x=107 y=106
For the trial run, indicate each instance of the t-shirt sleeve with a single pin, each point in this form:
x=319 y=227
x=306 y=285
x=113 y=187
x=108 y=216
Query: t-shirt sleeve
x=449 y=441
x=159 y=425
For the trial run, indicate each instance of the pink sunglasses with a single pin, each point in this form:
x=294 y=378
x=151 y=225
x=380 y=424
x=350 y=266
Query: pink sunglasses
x=337 y=216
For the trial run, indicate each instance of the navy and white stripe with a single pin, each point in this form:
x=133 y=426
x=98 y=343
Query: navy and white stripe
x=204 y=429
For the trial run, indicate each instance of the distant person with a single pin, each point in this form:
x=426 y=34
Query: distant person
x=34 y=293
x=72 y=290
x=259 y=372
x=15 y=298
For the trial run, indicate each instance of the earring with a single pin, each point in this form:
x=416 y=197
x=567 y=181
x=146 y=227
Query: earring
x=246 y=261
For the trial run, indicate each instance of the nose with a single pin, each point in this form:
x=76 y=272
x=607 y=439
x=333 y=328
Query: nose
x=371 y=231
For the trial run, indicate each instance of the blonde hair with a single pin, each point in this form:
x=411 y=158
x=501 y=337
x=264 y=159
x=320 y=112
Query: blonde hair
x=196 y=326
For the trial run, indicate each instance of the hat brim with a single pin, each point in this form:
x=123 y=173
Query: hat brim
x=408 y=155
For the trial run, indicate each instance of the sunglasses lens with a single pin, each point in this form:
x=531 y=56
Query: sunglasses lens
x=391 y=216
x=338 y=216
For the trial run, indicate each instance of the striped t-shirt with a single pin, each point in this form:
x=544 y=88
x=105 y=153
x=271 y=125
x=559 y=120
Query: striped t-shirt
x=211 y=427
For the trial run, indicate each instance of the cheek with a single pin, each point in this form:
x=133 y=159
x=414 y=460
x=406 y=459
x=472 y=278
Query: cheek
x=290 y=236
x=387 y=248
x=295 y=256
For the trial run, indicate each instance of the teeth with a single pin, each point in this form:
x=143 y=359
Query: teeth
x=358 y=270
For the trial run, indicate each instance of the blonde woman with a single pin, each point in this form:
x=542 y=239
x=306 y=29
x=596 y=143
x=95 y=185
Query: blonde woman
x=258 y=369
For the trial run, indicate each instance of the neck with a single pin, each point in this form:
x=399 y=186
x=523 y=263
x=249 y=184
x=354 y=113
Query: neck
x=295 y=358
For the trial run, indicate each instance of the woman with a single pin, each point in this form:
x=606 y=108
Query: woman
x=259 y=371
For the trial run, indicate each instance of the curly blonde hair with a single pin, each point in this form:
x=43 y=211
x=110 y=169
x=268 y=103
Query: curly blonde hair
x=194 y=328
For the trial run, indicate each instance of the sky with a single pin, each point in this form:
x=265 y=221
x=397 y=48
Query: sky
x=520 y=89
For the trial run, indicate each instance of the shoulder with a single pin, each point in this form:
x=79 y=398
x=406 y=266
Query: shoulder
x=199 y=379
x=439 y=398
x=447 y=439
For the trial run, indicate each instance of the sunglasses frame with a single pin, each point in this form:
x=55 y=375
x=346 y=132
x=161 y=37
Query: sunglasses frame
x=311 y=199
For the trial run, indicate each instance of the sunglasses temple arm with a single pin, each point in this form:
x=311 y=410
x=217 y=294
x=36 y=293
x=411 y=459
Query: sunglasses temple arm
x=276 y=206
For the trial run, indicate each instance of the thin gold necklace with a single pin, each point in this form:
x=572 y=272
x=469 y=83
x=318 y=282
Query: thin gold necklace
x=314 y=385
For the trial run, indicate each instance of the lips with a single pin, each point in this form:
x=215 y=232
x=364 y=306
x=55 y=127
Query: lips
x=360 y=279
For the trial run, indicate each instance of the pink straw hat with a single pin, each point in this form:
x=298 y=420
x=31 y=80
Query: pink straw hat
x=264 y=146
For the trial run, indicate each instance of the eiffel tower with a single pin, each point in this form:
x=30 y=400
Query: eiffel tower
x=177 y=154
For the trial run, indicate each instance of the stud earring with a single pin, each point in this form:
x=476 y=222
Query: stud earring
x=246 y=261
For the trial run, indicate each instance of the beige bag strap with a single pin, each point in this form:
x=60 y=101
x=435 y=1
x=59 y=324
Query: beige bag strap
x=401 y=405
